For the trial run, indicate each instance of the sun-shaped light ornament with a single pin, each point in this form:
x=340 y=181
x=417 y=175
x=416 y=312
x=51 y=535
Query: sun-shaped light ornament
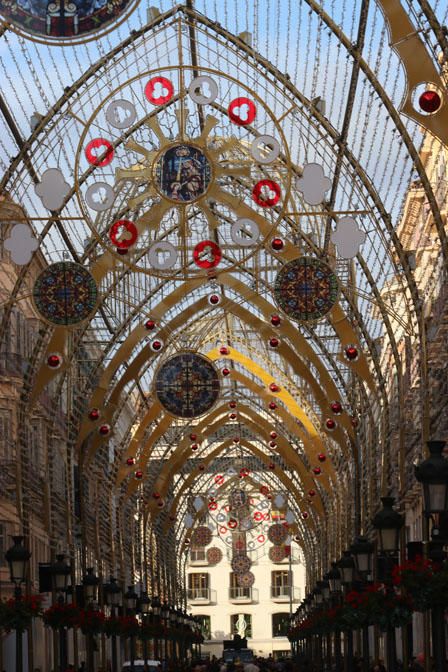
x=169 y=202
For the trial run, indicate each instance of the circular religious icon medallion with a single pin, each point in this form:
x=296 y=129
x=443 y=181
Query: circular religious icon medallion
x=245 y=580
x=277 y=553
x=277 y=534
x=201 y=536
x=64 y=21
x=306 y=289
x=65 y=294
x=241 y=563
x=237 y=499
x=214 y=555
x=187 y=385
x=182 y=173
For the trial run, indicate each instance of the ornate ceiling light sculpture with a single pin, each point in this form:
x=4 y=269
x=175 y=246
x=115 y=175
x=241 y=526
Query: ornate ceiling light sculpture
x=175 y=202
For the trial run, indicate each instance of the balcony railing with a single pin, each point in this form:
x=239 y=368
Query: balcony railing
x=284 y=593
x=241 y=595
x=201 y=595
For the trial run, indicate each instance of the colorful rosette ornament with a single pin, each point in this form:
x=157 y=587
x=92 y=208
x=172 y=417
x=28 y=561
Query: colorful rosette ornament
x=277 y=534
x=241 y=563
x=202 y=536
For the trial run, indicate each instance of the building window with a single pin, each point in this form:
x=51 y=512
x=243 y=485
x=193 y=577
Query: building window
x=198 y=586
x=235 y=590
x=206 y=627
x=280 y=583
x=280 y=624
x=241 y=623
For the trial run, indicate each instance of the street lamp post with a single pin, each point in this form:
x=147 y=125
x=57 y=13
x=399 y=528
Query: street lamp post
x=388 y=524
x=334 y=579
x=346 y=567
x=362 y=552
x=17 y=558
x=145 y=608
x=156 y=606
x=165 y=611
x=61 y=571
x=112 y=593
x=130 y=600
x=174 y=631
x=432 y=473
x=90 y=582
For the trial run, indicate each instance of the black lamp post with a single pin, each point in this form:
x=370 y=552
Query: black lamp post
x=433 y=475
x=347 y=568
x=388 y=524
x=174 y=631
x=90 y=582
x=112 y=594
x=61 y=571
x=145 y=609
x=156 y=607
x=165 y=613
x=362 y=552
x=17 y=558
x=130 y=601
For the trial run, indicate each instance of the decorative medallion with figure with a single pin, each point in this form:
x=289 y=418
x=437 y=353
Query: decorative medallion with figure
x=241 y=563
x=166 y=194
x=187 y=385
x=65 y=294
x=214 y=555
x=64 y=21
x=306 y=289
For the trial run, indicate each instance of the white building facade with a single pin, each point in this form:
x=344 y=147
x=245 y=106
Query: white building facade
x=260 y=613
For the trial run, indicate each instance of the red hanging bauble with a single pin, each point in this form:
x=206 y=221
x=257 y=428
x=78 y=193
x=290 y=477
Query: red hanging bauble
x=94 y=414
x=354 y=421
x=271 y=465
x=225 y=372
x=336 y=407
x=277 y=244
x=232 y=416
x=138 y=474
x=214 y=299
x=264 y=490
x=161 y=504
x=274 y=387
x=201 y=467
x=321 y=457
x=330 y=424
x=232 y=523
x=430 y=101
x=232 y=404
x=317 y=471
x=223 y=350
x=54 y=361
x=193 y=437
x=156 y=495
x=130 y=461
x=236 y=439
x=311 y=493
x=150 y=325
x=194 y=446
x=272 y=445
x=274 y=342
x=104 y=430
x=304 y=515
x=273 y=435
x=351 y=353
x=275 y=320
x=156 y=345
x=272 y=405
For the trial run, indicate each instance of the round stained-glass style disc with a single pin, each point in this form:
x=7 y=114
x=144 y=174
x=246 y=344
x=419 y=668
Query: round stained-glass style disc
x=306 y=289
x=241 y=563
x=245 y=580
x=187 y=385
x=182 y=173
x=214 y=555
x=202 y=536
x=64 y=20
x=277 y=534
x=277 y=553
x=65 y=294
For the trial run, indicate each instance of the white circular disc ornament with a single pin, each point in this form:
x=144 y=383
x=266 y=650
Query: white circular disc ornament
x=162 y=255
x=260 y=143
x=245 y=232
x=121 y=113
x=100 y=196
x=203 y=82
